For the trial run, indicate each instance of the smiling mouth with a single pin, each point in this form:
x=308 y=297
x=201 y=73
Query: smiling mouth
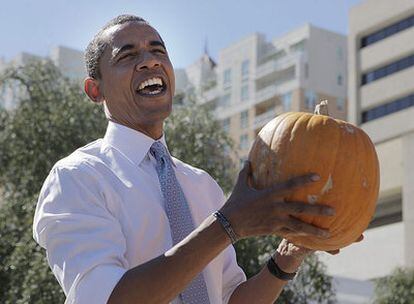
x=151 y=87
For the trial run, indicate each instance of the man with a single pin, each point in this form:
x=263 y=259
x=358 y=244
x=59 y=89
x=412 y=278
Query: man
x=124 y=222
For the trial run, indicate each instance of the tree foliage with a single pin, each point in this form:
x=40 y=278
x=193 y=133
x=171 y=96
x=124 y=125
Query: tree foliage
x=194 y=136
x=398 y=288
x=54 y=117
x=311 y=285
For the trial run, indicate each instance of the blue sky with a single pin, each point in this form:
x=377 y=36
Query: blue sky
x=37 y=26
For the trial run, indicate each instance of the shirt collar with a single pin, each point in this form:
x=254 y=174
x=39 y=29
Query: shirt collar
x=132 y=143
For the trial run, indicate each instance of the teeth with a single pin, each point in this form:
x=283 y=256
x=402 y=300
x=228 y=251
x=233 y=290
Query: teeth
x=151 y=81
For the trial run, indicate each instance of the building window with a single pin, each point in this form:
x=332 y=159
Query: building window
x=287 y=101
x=387 y=31
x=224 y=100
x=245 y=69
x=298 y=46
x=339 y=53
x=310 y=100
x=244 y=119
x=339 y=79
x=245 y=92
x=225 y=124
x=388 y=108
x=227 y=78
x=244 y=142
x=389 y=69
x=340 y=103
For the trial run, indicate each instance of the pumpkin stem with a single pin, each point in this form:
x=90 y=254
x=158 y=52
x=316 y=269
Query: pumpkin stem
x=322 y=108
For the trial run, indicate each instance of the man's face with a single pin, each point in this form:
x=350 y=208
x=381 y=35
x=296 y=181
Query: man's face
x=137 y=78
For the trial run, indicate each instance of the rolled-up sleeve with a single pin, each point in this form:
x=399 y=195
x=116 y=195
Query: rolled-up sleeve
x=233 y=275
x=84 y=242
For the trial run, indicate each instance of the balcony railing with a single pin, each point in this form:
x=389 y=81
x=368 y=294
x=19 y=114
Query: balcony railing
x=264 y=118
x=267 y=93
x=210 y=95
x=278 y=64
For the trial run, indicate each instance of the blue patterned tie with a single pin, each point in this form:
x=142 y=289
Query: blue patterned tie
x=179 y=216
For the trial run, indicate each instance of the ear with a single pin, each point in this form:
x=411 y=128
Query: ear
x=93 y=90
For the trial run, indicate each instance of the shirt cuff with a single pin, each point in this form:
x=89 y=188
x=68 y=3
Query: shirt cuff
x=95 y=286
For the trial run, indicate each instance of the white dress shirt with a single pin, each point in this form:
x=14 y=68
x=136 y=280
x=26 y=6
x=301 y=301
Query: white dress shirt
x=100 y=212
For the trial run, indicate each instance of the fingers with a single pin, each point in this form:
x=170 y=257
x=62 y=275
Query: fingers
x=300 y=227
x=360 y=238
x=290 y=185
x=245 y=171
x=301 y=208
x=333 y=252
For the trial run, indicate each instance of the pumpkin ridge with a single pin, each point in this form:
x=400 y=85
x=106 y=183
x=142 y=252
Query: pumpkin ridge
x=282 y=137
x=342 y=222
x=332 y=165
x=351 y=215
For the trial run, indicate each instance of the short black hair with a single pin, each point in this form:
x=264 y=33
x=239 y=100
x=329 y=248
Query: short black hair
x=97 y=46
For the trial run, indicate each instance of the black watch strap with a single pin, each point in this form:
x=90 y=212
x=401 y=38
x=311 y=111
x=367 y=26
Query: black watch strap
x=277 y=272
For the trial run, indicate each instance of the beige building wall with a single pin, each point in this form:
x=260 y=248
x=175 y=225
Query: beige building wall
x=389 y=243
x=69 y=61
x=290 y=73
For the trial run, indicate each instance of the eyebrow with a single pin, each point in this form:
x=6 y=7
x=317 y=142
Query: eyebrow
x=124 y=48
x=128 y=47
x=157 y=43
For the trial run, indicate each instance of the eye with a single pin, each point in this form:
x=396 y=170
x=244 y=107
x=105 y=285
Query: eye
x=159 y=51
x=127 y=55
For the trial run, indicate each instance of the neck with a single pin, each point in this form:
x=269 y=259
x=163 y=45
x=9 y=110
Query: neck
x=154 y=131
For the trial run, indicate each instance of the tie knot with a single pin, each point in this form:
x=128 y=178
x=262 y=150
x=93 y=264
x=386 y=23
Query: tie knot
x=158 y=151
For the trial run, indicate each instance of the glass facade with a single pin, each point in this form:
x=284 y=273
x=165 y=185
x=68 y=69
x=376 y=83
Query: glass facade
x=244 y=142
x=339 y=80
x=226 y=125
x=310 y=100
x=244 y=119
x=224 y=101
x=245 y=69
x=227 y=78
x=340 y=103
x=298 y=46
x=389 y=69
x=245 y=92
x=287 y=101
x=387 y=31
x=388 y=108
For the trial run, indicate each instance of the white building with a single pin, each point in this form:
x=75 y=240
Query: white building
x=254 y=80
x=69 y=61
x=381 y=101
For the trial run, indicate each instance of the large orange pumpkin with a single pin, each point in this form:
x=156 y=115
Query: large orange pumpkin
x=295 y=144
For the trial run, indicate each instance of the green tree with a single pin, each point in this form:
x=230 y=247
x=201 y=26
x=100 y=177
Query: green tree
x=53 y=119
x=398 y=288
x=311 y=285
x=194 y=136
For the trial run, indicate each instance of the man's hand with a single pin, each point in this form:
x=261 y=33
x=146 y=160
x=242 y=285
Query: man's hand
x=290 y=256
x=254 y=212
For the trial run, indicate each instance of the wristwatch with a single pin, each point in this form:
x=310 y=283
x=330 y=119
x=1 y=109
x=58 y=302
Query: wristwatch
x=277 y=272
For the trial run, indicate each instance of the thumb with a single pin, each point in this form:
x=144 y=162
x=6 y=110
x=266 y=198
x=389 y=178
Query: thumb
x=246 y=170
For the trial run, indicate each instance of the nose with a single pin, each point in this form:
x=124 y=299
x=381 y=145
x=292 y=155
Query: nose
x=148 y=61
